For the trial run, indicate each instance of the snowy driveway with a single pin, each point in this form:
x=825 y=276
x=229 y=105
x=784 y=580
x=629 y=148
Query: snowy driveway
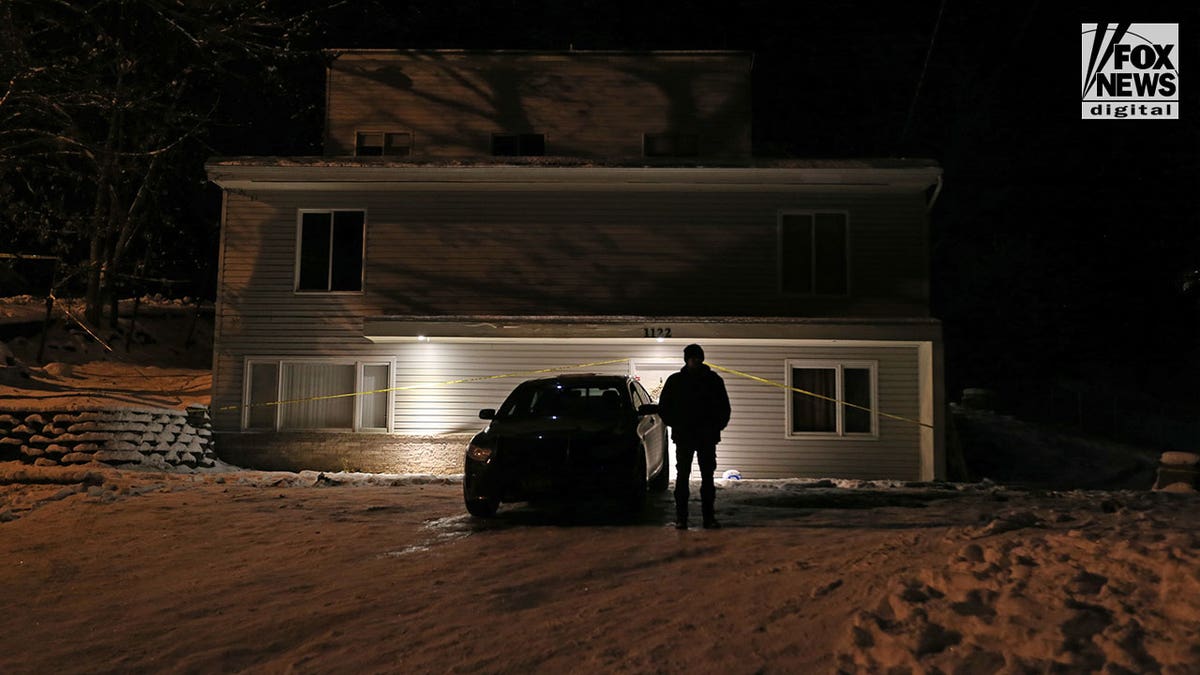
x=281 y=572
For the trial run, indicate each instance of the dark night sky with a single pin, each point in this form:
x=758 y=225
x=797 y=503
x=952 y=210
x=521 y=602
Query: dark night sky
x=1059 y=243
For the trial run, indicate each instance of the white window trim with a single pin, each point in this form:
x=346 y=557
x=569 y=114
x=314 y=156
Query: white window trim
x=779 y=261
x=839 y=366
x=362 y=281
x=358 y=364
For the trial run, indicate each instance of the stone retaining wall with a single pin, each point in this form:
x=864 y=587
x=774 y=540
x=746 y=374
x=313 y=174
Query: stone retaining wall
x=154 y=438
x=1178 y=472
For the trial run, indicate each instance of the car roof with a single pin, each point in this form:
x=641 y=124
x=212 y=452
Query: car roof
x=580 y=378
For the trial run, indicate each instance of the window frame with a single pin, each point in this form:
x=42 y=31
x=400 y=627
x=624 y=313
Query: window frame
x=638 y=392
x=362 y=272
x=781 y=263
x=840 y=366
x=279 y=363
x=383 y=147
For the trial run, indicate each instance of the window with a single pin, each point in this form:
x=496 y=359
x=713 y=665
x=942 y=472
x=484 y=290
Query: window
x=330 y=255
x=670 y=145
x=513 y=145
x=373 y=403
x=310 y=394
x=555 y=399
x=317 y=396
x=640 y=397
x=379 y=143
x=263 y=380
x=813 y=253
x=844 y=401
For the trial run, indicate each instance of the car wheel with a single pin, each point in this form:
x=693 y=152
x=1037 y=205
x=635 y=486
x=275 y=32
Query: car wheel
x=663 y=478
x=480 y=507
x=637 y=485
x=483 y=508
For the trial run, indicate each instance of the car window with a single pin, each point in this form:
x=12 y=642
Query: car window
x=639 y=398
x=646 y=397
x=557 y=399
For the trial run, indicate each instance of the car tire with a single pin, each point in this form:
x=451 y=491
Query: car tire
x=662 y=479
x=482 y=508
x=637 y=486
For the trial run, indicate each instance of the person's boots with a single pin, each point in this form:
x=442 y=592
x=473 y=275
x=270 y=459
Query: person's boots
x=707 y=499
x=681 y=515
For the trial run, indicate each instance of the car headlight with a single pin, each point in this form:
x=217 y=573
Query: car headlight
x=479 y=453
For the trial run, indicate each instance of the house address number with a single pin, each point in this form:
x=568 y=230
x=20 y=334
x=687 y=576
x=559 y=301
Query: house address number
x=656 y=331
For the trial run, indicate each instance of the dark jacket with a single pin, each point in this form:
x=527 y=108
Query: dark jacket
x=695 y=405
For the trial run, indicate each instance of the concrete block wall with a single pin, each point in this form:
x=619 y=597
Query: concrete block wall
x=323 y=451
x=148 y=437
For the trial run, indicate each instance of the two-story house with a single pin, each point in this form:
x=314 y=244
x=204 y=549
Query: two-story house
x=480 y=217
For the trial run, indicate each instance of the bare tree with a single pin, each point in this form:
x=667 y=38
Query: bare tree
x=105 y=108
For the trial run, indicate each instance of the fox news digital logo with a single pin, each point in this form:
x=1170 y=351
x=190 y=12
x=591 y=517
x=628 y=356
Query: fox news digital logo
x=1130 y=71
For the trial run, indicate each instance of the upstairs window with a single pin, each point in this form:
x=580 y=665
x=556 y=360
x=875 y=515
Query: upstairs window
x=813 y=253
x=670 y=145
x=844 y=400
x=380 y=143
x=330 y=255
x=517 y=145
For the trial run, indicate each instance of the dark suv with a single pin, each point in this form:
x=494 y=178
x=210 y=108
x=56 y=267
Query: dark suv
x=568 y=436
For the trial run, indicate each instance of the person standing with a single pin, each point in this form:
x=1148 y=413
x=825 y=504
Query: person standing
x=695 y=405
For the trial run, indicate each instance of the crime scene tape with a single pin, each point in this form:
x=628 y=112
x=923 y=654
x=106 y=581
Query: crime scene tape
x=781 y=385
x=84 y=326
x=424 y=385
x=107 y=347
x=542 y=371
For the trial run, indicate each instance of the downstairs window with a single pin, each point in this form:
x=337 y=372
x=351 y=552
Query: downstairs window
x=317 y=395
x=841 y=398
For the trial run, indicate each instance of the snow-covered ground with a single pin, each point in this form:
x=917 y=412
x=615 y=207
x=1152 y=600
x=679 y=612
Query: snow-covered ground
x=104 y=570
x=160 y=360
x=229 y=570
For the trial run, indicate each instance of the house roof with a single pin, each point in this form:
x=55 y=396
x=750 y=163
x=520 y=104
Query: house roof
x=330 y=173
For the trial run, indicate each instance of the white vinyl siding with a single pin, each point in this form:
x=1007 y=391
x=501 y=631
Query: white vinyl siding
x=567 y=252
x=752 y=443
x=560 y=253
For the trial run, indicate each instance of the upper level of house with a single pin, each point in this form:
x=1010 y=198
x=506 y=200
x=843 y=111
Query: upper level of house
x=433 y=104
x=428 y=203
x=320 y=236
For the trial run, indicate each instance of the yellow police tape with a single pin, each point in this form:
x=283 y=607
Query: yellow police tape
x=425 y=385
x=814 y=395
x=555 y=369
x=82 y=325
